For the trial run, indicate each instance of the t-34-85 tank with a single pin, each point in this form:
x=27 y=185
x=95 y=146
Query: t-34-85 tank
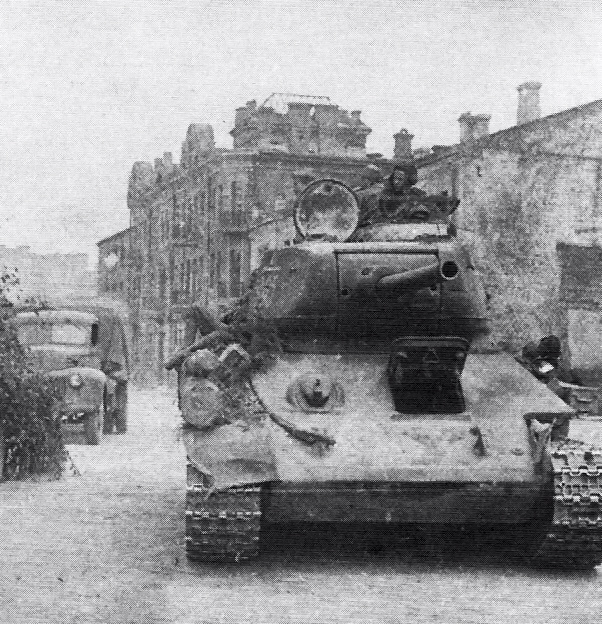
x=350 y=385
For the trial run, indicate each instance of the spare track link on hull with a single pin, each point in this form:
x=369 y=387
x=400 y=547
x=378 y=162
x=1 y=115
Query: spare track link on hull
x=221 y=526
x=574 y=539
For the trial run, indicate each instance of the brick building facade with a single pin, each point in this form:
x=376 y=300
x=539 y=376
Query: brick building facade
x=523 y=190
x=199 y=227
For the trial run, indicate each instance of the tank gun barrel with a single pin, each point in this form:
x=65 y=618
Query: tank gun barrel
x=420 y=278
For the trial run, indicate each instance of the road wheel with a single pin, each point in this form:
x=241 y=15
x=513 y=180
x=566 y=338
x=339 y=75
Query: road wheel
x=93 y=427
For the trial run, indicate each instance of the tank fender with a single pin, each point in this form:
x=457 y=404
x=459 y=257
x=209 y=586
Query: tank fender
x=231 y=455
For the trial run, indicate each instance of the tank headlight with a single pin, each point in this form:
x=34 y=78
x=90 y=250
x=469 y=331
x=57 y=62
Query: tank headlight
x=75 y=381
x=315 y=392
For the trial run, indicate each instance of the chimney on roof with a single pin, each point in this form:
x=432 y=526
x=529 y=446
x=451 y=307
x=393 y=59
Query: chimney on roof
x=355 y=115
x=473 y=127
x=403 y=145
x=158 y=163
x=528 y=102
x=167 y=159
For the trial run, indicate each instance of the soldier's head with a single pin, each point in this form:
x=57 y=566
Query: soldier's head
x=404 y=176
x=549 y=348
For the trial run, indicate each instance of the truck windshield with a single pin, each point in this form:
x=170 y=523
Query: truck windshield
x=35 y=334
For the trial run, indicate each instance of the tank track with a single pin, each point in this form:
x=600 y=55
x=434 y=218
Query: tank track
x=574 y=539
x=221 y=526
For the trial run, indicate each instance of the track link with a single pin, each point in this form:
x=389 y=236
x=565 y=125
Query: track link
x=574 y=539
x=221 y=526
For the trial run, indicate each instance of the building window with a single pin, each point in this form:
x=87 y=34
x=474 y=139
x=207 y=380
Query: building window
x=172 y=272
x=280 y=202
x=233 y=196
x=162 y=284
x=454 y=181
x=189 y=215
x=193 y=279
x=182 y=278
x=210 y=199
x=175 y=218
x=212 y=271
x=179 y=334
x=218 y=266
x=201 y=275
x=234 y=273
x=202 y=205
x=222 y=290
x=236 y=204
x=151 y=284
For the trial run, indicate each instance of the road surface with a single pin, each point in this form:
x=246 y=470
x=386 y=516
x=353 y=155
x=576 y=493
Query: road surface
x=107 y=546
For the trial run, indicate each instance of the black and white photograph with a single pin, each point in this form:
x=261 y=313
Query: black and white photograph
x=301 y=312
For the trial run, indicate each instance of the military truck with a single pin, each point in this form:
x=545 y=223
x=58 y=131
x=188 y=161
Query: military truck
x=355 y=382
x=84 y=349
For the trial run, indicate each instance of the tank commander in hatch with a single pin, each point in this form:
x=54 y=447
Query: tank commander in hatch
x=390 y=202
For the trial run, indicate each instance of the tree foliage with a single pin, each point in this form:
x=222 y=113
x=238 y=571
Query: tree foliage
x=32 y=435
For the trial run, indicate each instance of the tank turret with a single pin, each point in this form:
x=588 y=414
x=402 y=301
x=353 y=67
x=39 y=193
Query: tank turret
x=332 y=293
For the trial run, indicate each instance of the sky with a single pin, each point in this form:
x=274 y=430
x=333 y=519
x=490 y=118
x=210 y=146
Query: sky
x=89 y=87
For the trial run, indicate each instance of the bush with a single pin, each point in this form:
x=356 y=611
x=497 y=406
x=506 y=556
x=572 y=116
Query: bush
x=32 y=434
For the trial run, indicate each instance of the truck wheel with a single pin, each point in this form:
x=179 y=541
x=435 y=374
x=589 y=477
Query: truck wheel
x=107 y=427
x=93 y=427
x=121 y=420
x=120 y=414
x=108 y=420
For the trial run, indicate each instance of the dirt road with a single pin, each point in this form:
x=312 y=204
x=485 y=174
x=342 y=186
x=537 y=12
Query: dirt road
x=107 y=546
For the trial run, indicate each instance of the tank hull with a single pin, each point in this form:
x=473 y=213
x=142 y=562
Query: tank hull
x=487 y=443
